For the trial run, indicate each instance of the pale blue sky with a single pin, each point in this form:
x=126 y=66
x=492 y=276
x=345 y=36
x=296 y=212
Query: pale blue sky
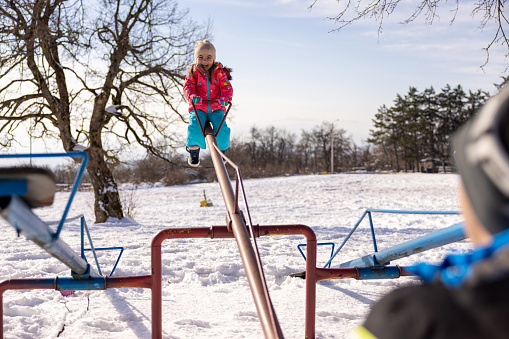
x=290 y=71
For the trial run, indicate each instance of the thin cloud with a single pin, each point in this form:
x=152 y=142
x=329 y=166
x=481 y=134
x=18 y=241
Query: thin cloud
x=285 y=43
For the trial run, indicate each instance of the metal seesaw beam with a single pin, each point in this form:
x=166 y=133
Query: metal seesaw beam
x=19 y=213
x=21 y=217
x=423 y=243
x=252 y=267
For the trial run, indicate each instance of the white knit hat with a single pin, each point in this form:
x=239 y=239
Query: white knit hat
x=203 y=45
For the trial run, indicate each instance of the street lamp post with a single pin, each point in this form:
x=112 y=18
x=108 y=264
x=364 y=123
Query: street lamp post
x=332 y=149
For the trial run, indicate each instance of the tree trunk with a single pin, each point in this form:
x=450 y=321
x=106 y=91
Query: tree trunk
x=107 y=200
x=396 y=156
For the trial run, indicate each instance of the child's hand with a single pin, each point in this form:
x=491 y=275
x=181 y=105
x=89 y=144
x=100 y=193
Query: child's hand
x=196 y=100
x=223 y=102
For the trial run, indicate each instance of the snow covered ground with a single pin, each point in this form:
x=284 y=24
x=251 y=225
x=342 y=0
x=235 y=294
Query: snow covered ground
x=205 y=291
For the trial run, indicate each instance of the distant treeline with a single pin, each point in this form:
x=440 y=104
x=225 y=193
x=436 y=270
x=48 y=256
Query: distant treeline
x=418 y=125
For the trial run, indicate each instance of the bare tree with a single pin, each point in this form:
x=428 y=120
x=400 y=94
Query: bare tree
x=101 y=74
x=489 y=11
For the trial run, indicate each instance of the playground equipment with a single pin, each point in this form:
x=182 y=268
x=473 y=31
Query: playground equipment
x=375 y=265
x=28 y=188
x=205 y=202
x=423 y=243
x=16 y=202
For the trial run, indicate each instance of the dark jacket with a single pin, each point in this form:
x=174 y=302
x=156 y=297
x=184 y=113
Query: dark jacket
x=477 y=308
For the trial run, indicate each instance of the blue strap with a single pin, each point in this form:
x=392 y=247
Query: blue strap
x=456 y=268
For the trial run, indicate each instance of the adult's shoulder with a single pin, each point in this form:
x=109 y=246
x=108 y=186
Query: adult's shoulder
x=421 y=311
x=405 y=301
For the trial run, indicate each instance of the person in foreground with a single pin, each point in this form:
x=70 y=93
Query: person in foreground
x=467 y=296
x=208 y=87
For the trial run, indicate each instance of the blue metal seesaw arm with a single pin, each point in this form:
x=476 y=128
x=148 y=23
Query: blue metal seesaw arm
x=423 y=243
x=21 y=217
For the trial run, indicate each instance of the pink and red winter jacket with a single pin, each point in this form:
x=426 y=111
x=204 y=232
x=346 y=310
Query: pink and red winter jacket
x=198 y=86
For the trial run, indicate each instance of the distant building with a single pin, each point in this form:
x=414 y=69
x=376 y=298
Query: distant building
x=433 y=165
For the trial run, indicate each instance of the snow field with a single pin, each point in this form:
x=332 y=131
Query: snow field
x=205 y=291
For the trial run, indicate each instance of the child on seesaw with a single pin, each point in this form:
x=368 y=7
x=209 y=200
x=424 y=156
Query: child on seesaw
x=207 y=85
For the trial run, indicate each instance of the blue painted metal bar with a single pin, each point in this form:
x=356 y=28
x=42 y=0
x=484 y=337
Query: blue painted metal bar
x=75 y=186
x=21 y=217
x=77 y=180
x=13 y=187
x=432 y=240
x=110 y=249
x=299 y=247
x=372 y=231
x=410 y=212
x=82 y=247
x=73 y=284
x=346 y=238
x=389 y=272
x=118 y=259
x=84 y=227
x=374 y=210
x=359 y=273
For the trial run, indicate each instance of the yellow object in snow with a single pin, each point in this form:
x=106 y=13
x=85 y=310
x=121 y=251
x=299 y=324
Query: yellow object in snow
x=205 y=202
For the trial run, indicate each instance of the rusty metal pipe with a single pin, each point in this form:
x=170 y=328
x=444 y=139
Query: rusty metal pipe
x=154 y=280
x=362 y=273
x=51 y=283
x=20 y=284
x=156 y=263
x=223 y=232
x=224 y=118
x=311 y=278
x=139 y=281
x=254 y=274
x=336 y=273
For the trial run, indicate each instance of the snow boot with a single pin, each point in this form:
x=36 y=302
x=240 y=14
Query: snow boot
x=194 y=157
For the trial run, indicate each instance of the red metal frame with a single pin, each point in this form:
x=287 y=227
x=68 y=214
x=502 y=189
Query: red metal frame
x=154 y=280
x=237 y=229
x=222 y=121
x=142 y=281
x=223 y=232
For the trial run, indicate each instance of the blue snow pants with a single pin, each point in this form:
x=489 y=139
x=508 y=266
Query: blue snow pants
x=195 y=136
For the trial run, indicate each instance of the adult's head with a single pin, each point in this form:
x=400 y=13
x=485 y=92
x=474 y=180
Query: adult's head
x=481 y=148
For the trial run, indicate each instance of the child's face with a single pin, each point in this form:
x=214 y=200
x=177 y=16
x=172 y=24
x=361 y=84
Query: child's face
x=205 y=60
